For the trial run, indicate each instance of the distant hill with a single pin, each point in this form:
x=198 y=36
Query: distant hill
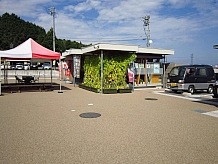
x=14 y=31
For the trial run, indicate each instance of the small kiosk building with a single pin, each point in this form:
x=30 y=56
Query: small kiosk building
x=149 y=65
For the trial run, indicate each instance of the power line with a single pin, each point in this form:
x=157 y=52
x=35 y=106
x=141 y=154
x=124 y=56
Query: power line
x=103 y=39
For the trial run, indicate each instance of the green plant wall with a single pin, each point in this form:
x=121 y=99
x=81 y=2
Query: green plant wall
x=115 y=67
x=92 y=71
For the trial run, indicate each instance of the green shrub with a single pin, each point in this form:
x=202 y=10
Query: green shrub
x=114 y=71
x=92 y=71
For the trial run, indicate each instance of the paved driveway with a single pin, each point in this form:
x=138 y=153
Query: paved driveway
x=138 y=128
x=202 y=97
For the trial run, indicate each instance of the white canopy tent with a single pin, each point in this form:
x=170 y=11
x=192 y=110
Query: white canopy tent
x=28 y=50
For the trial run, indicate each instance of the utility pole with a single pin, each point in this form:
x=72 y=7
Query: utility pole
x=146 y=26
x=192 y=58
x=52 y=13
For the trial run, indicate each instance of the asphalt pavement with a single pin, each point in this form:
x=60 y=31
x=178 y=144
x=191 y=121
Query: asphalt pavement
x=82 y=127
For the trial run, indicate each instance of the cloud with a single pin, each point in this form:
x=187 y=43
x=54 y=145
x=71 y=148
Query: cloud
x=23 y=8
x=121 y=20
x=129 y=9
x=83 y=6
x=187 y=26
x=179 y=3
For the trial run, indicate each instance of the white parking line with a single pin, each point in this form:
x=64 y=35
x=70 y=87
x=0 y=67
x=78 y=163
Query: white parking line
x=181 y=97
x=186 y=96
x=213 y=113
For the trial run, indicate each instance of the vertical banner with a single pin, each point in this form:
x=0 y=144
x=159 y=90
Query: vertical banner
x=0 y=77
x=67 y=73
x=62 y=69
x=76 y=66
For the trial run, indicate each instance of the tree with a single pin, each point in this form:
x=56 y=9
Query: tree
x=14 y=31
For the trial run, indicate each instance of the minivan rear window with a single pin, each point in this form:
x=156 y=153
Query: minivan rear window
x=201 y=72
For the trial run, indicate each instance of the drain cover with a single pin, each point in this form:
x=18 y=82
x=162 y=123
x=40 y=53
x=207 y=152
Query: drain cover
x=90 y=115
x=150 y=99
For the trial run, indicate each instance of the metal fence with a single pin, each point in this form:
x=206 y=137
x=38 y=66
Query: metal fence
x=40 y=73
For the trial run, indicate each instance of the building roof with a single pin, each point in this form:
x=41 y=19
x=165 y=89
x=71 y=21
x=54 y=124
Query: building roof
x=118 y=47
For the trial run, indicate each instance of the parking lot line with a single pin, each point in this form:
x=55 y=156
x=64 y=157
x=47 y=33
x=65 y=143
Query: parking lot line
x=180 y=96
x=201 y=98
x=213 y=113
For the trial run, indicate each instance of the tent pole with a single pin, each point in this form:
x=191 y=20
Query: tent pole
x=164 y=75
x=0 y=78
x=51 y=72
x=60 y=70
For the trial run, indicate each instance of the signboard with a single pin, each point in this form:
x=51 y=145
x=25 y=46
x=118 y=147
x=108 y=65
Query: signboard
x=156 y=68
x=76 y=66
x=65 y=65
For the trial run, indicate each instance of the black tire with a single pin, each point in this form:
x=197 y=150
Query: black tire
x=175 y=91
x=191 y=89
x=215 y=96
x=210 y=89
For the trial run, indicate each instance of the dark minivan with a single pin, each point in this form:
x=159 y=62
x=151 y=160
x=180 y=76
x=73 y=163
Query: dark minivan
x=191 y=78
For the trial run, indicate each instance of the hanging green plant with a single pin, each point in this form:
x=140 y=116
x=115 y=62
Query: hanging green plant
x=114 y=72
x=92 y=68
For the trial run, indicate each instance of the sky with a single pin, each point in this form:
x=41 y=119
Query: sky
x=189 y=27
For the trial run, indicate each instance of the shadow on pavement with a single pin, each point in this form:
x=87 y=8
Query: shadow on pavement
x=33 y=87
x=213 y=101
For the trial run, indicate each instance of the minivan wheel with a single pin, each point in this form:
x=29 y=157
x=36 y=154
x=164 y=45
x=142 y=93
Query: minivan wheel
x=210 y=89
x=191 y=89
x=215 y=96
x=175 y=91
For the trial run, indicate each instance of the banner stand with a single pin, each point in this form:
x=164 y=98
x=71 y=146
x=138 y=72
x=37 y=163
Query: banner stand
x=60 y=70
x=0 y=78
